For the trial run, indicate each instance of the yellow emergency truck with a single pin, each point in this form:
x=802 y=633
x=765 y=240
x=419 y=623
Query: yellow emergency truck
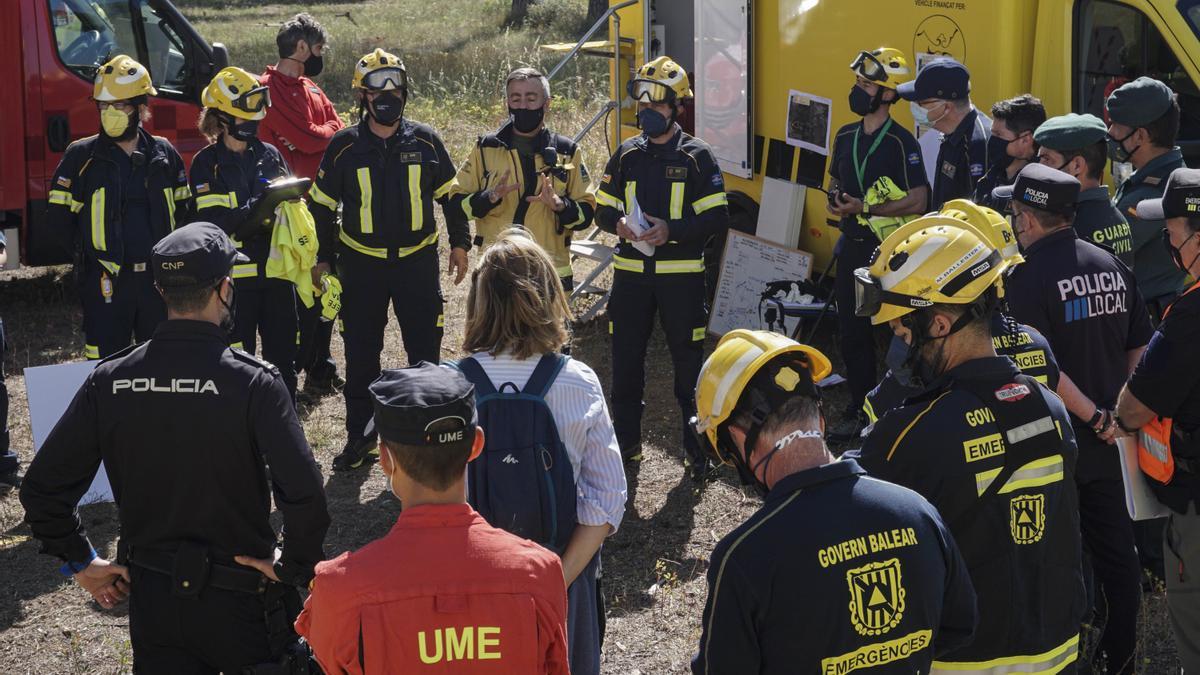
x=771 y=77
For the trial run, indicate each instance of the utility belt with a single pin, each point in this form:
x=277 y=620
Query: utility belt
x=192 y=570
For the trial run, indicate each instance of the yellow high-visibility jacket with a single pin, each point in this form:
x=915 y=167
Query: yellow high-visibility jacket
x=495 y=154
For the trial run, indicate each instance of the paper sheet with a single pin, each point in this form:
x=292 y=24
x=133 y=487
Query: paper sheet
x=636 y=221
x=49 y=390
x=1139 y=500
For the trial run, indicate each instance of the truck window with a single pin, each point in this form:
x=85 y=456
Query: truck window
x=88 y=33
x=1116 y=44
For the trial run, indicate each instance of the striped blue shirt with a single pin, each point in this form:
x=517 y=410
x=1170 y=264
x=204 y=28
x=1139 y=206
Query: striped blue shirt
x=577 y=404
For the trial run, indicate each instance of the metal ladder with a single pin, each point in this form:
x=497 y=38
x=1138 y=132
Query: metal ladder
x=590 y=247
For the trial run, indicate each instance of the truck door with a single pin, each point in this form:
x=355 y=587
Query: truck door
x=1115 y=43
x=84 y=34
x=722 y=82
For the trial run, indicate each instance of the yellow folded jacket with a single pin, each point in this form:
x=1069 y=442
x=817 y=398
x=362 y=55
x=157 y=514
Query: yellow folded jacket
x=294 y=249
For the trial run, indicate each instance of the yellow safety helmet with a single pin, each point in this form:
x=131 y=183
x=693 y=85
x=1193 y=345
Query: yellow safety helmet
x=236 y=92
x=933 y=259
x=740 y=356
x=380 y=71
x=122 y=79
x=991 y=224
x=885 y=66
x=660 y=81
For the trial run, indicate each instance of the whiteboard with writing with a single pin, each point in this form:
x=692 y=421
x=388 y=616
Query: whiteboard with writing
x=749 y=264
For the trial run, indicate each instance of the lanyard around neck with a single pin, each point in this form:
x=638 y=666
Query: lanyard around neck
x=860 y=169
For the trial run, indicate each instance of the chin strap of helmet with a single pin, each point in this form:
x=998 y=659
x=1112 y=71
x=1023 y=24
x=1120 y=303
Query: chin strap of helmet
x=761 y=397
x=925 y=372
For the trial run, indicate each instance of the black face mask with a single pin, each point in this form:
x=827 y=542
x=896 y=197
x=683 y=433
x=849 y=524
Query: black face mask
x=387 y=108
x=227 y=321
x=314 y=65
x=244 y=131
x=525 y=120
x=1117 y=151
x=1176 y=253
x=998 y=151
x=652 y=123
x=862 y=103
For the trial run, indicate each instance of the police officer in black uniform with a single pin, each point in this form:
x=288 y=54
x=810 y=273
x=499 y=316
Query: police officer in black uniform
x=882 y=584
x=940 y=98
x=187 y=428
x=1161 y=406
x=1075 y=144
x=875 y=157
x=114 y=195
x=676 y=183
x=386 y=172
x=1086 y=303
x=230 y=180
x=991 y=448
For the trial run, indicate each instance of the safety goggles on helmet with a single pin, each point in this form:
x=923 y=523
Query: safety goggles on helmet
x=386 y=79
x=869 y=296
x=869 y=67
x=254 y=101
x=650 y=91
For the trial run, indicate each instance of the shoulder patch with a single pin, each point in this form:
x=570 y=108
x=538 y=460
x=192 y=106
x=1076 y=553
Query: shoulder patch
x=201 y=188
x=976 y=170
x=254 y=360
x=914 y=158
x=583 y=173
x=64 y=181
x=606 y=178
x=718 y=180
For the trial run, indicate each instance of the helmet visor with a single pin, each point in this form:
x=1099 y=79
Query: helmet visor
x=869 y=67
x=651 y=91
x=254 y=101
x=386 y=79
x=868 y=293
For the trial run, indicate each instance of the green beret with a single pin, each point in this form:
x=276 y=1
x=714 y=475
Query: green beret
x=1138 y=103
x=1070 y=132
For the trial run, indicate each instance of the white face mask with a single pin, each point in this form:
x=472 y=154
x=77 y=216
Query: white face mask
x=921 y=115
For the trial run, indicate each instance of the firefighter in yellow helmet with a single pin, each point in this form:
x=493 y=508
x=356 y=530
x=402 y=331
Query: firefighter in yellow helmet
x=877 y=183
x=899 y=601
x=525 y=174
x=115 y=195
x=1028 y=348
x=990 y=447
x=663 y=194
x=230 y=179
x=385 y=173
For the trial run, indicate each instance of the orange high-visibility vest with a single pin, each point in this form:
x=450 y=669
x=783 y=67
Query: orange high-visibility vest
x=1154 y=439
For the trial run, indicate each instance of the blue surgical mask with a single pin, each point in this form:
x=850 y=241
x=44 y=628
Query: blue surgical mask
x=897 y=362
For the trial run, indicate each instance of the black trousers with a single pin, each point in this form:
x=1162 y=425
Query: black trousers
x=855 y=334
x=267 y=307
x=219 y=632
x=132 y=312
x=1109 y=556
x=312 y=354
x=8 y=458
x=412 y=287
x=678 y=300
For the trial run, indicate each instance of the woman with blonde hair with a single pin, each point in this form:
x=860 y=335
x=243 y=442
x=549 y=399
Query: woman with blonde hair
x=517 y=314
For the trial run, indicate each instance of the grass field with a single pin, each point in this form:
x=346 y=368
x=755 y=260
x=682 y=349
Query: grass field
x=457 y=54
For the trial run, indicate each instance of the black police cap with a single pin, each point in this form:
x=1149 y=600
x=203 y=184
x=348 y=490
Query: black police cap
x=408 y=401
x=1181 y=197
x=1041 y=187
x=197 y=254
x=944 y=79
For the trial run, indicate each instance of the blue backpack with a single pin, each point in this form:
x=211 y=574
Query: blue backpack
x=523 y=481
